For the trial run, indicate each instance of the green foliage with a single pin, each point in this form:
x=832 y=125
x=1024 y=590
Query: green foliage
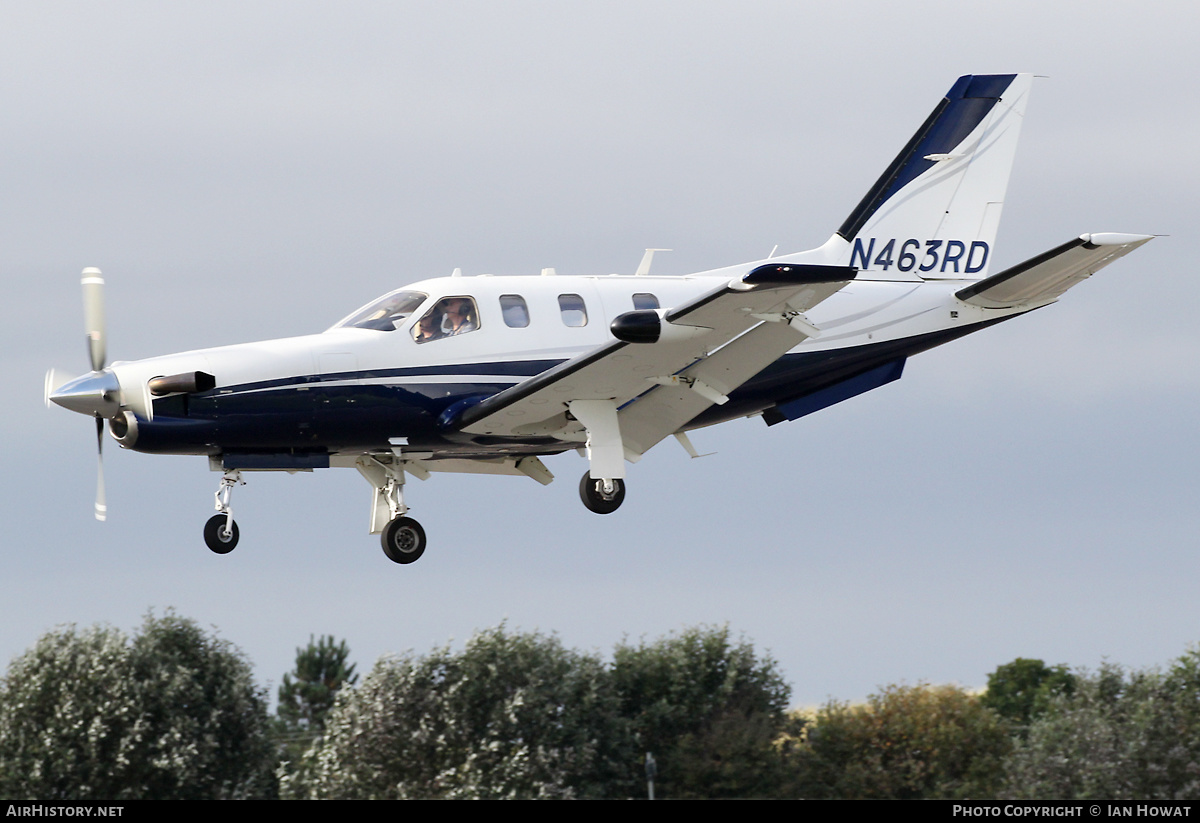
x=907 y=742
x=1122 y=735
x=1023 y=689
x=736 y=755
x=517 y=715
x=514 y=715
x=708 y=707
x=321 y=669
x=172 y=713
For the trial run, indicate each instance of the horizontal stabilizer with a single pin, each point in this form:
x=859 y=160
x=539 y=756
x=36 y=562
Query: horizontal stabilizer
x=1044 y=278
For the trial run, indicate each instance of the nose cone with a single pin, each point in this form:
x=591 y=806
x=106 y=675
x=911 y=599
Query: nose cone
x=98 y=392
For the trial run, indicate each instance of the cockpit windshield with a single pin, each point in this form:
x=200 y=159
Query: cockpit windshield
x=386 y=313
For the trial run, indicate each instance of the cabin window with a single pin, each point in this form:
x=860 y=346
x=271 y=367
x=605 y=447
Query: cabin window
x=644 y=300
x=514 y=310
x=574 y=312
x=386 y=313
x=449 y=316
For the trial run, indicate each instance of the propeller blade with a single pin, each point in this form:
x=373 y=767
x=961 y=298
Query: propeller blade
x=93 y=316
x=101 y=506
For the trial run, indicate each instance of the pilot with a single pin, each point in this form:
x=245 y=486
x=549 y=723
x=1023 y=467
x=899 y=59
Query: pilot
x=459 y=317
x=428 y=328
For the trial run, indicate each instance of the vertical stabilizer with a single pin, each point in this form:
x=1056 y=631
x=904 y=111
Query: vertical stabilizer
x=934 y=212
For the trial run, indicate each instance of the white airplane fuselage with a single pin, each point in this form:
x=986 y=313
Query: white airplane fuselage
x=353 y=389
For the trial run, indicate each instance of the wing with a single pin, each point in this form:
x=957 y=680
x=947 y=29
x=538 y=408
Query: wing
x=1044 y=278
x=664 y=367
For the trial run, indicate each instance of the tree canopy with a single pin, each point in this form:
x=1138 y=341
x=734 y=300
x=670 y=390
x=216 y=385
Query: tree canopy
x=708 y=706
x=171 y=713
x=1120 y=735
x=906 y=742
x=513 y=715
x=307 y=693
x=1024 y=688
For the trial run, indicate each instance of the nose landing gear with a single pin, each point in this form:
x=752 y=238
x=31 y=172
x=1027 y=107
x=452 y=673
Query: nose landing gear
x=220 y=532
x=402 y=537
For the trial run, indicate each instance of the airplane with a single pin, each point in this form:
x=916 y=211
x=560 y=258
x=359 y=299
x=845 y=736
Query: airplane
x=488 y=374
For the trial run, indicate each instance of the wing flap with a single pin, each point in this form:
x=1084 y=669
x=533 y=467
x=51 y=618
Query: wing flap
x=1044 y=278
x=664 y=410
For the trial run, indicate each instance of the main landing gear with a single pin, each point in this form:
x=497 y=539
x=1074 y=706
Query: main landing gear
x=402 y=538
x=601 y=496
x=602 y=488
x=220 y=532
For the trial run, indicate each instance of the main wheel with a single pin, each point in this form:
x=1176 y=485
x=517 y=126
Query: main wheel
x=591 y=492
x=217 y=538
x=403 y=540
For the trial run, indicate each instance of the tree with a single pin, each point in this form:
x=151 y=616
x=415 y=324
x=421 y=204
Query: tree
x=321 y=670
x=1023 y=689
x=1121 y=735
x=513 y=715
x=906 y=742
x=708 y=707
x=171 y=713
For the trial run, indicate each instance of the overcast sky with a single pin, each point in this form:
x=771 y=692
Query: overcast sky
x=252 y=170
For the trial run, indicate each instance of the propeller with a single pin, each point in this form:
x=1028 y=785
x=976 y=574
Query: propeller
x=98 y=393
x=93 y=324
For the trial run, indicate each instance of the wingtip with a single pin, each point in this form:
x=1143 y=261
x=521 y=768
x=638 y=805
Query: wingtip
x=1112 y=238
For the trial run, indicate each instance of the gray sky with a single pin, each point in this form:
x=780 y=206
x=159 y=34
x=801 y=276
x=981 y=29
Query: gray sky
x=244 y=171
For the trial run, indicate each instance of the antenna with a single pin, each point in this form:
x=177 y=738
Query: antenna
x=647 y=259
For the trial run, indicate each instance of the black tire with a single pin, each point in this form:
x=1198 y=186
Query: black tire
x=217 y=538
x=596 y=500
x=403 y=540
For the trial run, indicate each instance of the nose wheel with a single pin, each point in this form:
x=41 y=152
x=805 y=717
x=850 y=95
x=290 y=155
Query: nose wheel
x=403 y=540
x=221 y=533
x=601 y=496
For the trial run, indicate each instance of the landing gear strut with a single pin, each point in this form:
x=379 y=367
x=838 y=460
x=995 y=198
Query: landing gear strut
x=402 y=537
x=601 y=496
x=220 y=532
